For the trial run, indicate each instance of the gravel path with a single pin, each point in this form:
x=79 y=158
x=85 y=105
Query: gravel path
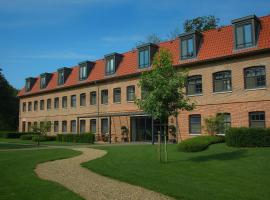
x=88 y=184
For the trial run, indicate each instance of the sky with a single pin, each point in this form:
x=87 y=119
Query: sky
x=38 y=36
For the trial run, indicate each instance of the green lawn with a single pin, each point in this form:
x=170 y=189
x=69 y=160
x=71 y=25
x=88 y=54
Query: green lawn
x=218 y=173
x=15 y=146
x=19 y=181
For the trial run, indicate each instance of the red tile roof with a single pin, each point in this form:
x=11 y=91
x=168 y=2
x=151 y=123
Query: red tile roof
x=217 y=43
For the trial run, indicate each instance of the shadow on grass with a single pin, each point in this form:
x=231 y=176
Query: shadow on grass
x=234 y=155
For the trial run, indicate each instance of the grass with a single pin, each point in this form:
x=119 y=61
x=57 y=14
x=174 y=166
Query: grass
x=15 y=146
x=220 y=172
x=19 y=181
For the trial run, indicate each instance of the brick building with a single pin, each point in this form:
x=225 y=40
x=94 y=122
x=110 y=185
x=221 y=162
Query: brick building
x=229 y=73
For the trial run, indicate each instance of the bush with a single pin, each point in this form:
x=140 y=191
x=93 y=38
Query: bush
x=76 y=138
x=26 y=137
x=248 y=137
x=199 y=143
x=51 y=138
x=41 y=138
x=10 y=134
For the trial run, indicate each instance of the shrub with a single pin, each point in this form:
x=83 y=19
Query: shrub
x=199 y=143
x=51 y=138
x=41 y=138
x=10 y=134
x=26 y=137
x=77 y=138
x=248 y=137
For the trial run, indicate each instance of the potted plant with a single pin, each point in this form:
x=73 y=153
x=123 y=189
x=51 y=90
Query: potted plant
x=124 y=132
x=172 y=132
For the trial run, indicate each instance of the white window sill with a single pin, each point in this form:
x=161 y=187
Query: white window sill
x=193 y=134
x=223 y=92
x=194 y=95
x=130 y=101
x=117 y=102
x=253 y=89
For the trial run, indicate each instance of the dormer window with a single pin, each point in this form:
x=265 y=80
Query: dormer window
x=111 y=63
x=29 y=83
x=63 y=75
x=145 y=55
x=84 y=69
x=246 y=32
x=189 y=44
x=44 y=80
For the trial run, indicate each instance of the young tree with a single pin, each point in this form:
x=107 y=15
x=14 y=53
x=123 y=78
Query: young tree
x=215 y=124
x=201 y=23
x=41 y=130
x=164 y=87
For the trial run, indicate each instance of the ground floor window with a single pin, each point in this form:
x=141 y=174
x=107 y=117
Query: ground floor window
x=64 y=126
x=195 y=124
x=29 y=126
x=104 y=125
x=257 y=119
x=73 y=126
x=82 y=126
x=226 y=120
x=93 y=125
x=56 y=126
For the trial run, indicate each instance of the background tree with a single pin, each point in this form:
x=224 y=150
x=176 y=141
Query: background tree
x=152 y=38
x=9 y=105
x=164 y=88
x=201 y=23
x=41 y=130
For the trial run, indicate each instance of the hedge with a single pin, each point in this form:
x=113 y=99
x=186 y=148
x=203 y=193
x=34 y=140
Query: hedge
x=199 y=143
x=10 y=134
x=26 y=137
x=76 y=138
x=248 y=137
x=41 y=138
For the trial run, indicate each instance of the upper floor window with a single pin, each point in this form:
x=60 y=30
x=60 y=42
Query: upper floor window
x=187 y=48
x=194 y=85
x=83 y=99
x=35 y=105
x=41 y=105
x=93 y=125
x=110 y=66
x=49 y=104
x=144 y=58
x=29 y=83
x=61 y=77
x=104 y=96
x=83 y=72
x=195 y=124
x=29 y=106
x=93 y=98
x=117 y=95
x=56 y=103
x=222 y=81
x=131 y=93
x=243 y=36
x=24 y=107
x=73 y=101
x=43 y=82
x=257 y=119
x=64 y=102
x=255 y=77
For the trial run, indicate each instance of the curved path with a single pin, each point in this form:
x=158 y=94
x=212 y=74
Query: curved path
x=88 y=184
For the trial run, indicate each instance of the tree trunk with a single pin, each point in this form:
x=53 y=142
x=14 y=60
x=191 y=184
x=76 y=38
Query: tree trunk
x=165 y=142
x=159 y=146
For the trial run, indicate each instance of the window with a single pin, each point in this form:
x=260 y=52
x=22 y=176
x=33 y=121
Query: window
x=83 y=99
x=110 y=66
x=23 y=126
x=41 y=105
x=64 y=126
x=93 y=125
x=117 y=95
x=82 y=126
x=61 y=77
x=243 y=36
x=56 y=126
x=49 y=104
x=29 y=106
x=56 y=103
x=35 y=105
x=255 y=77
x=49 y=126
x=93 y=98
x=227 y=121
x=28 y=85
x=222 y=81
x=83 y=73
x=73 y=126
x=144 y=58
x=194 y=85
x=104 y=126
x=64 y=102
x=144 y=92
x=35 y=124
x=43 y=82
x=257 y=119
x=73 y=101
x=24 y=107
x=104 y=96
x=195 y=124
x=131 y=93
x=187 y=48
x=29 y=126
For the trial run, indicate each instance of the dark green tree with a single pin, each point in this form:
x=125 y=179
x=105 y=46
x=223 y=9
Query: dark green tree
x=201 y=23
x=163 y=91
x=9 y=105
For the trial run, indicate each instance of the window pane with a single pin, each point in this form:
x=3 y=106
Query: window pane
x=64 y=126
x=257 y=119
x=255 y=77
x=117 y=95
x=194 y=85
x=104 y=96
x=104 y=126
x=82 y=126
x=239 y=36
x=93 y=126
x=248 y=34
x=93 y=96
x=190 y=47
x=83 y=99
x=184 y=50
x=144 y=58
x=131 y=93
x=73 y=126
x=195 y=124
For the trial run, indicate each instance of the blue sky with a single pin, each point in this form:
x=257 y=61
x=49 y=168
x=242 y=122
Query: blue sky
x=39 y=36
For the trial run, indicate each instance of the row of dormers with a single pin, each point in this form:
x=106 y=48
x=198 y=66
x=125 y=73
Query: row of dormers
x=245 y=31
